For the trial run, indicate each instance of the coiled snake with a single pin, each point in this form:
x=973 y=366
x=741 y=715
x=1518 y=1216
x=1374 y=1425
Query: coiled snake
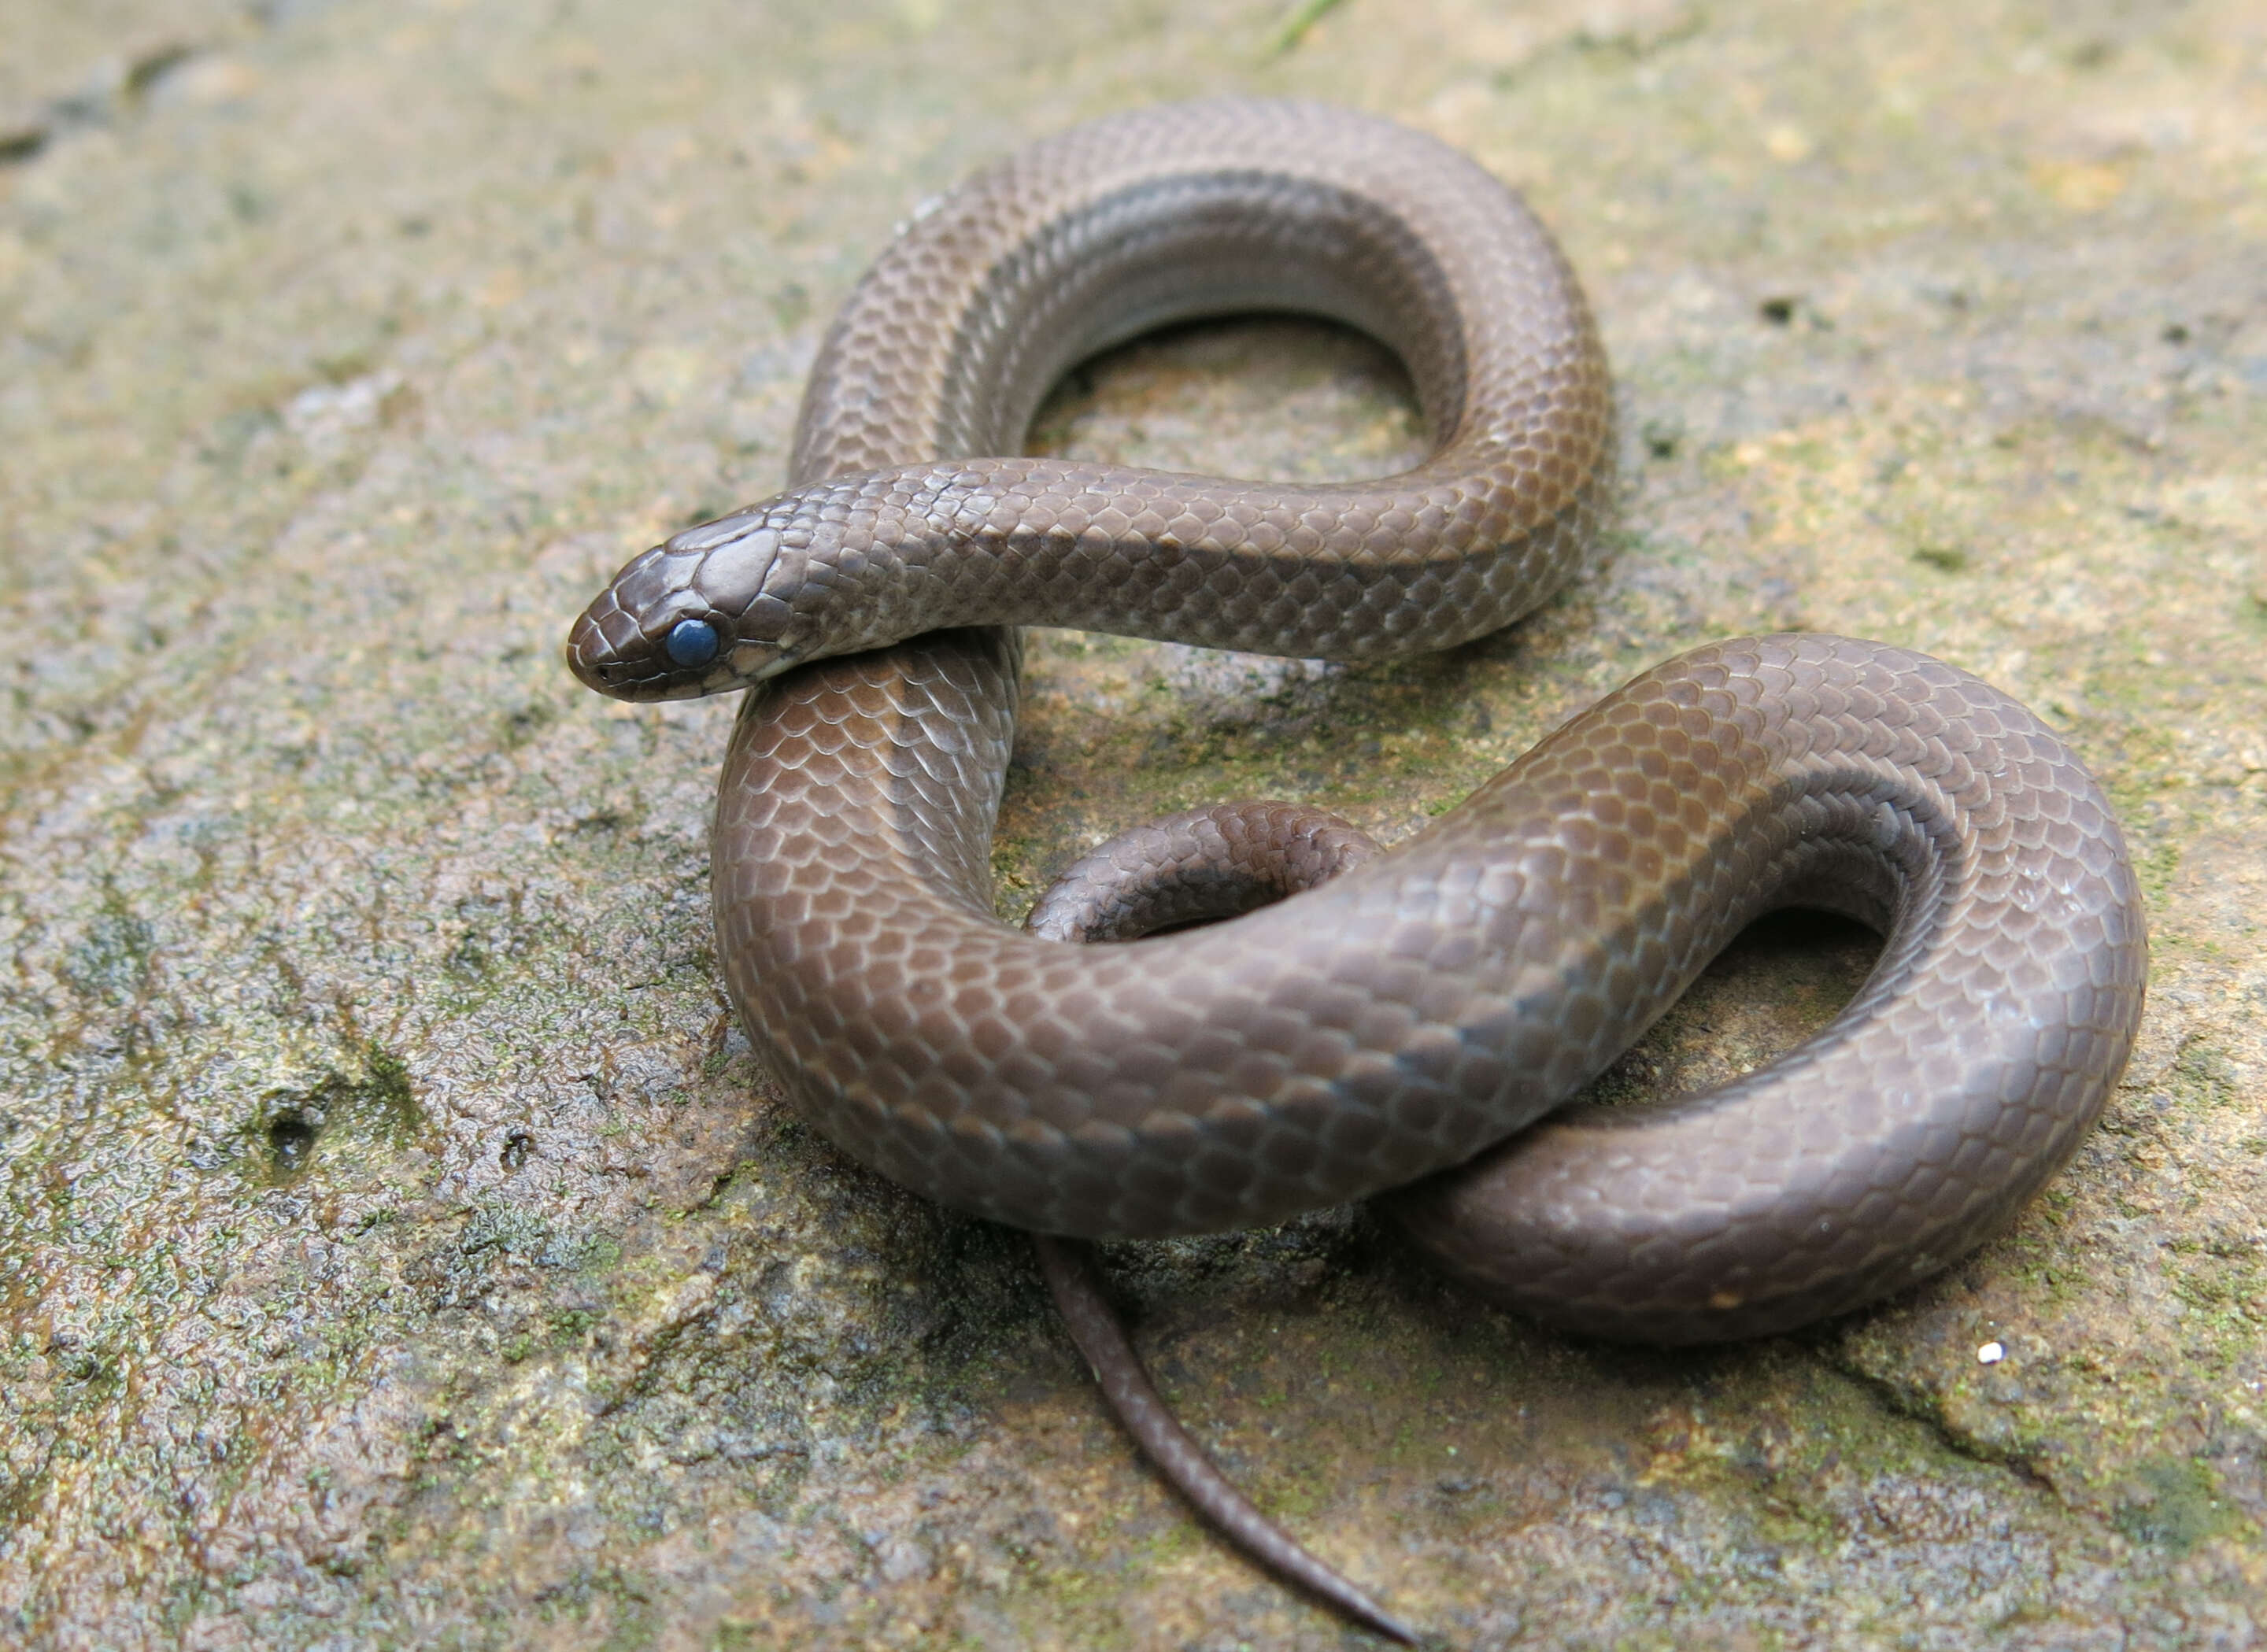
x=1404 y=1021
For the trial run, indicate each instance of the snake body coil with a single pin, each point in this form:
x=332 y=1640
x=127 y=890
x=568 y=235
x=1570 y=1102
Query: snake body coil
x=1412 y=1012
x=1402 y=1022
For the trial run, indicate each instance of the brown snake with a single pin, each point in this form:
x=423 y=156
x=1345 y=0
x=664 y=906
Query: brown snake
x=1428 y=1005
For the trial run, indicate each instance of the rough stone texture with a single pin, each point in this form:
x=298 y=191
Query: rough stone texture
x=398 y=1245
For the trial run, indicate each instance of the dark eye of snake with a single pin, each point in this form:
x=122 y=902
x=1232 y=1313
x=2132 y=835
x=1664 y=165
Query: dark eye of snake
x=691 y=642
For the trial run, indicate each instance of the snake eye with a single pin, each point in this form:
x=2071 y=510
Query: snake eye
x=691 y=642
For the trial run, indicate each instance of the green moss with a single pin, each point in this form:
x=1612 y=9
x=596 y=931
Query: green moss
x=2179 y=1506
x=1296 y=21
x=2204 y=1075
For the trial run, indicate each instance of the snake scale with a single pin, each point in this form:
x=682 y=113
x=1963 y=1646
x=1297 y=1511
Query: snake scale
x=1404 y=1021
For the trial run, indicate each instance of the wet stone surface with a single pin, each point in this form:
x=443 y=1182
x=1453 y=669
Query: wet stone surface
x=399 y=1247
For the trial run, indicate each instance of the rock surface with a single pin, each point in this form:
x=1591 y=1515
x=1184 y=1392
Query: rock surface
x=399 y=1247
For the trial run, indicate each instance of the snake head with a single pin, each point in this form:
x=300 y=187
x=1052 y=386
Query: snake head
x=697 y=615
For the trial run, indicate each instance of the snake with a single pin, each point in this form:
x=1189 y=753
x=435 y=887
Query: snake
x=1406 y=1024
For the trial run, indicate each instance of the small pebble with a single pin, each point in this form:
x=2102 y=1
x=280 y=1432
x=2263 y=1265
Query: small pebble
x=1991 y=1354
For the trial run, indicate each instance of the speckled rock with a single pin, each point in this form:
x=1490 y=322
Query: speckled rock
x=399 y=1246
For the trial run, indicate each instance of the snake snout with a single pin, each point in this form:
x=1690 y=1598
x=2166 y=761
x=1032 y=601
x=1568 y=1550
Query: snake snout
x=607 y=651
